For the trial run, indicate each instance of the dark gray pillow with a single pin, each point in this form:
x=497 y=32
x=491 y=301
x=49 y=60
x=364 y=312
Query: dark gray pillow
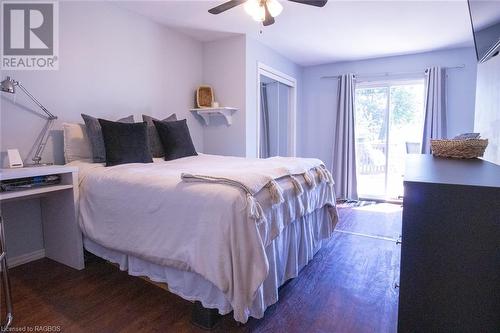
x=125 y=143
x=154 y=139
x=175 y=138
x=94 y=133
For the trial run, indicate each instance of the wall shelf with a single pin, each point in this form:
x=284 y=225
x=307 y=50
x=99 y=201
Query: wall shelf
x=205 y=113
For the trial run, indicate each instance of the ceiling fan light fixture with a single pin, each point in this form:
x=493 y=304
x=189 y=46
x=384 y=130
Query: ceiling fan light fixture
x=255 y=9
x=260 y=16
x=262 y=10
x=274 y=7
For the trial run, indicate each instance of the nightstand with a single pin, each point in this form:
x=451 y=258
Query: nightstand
x=59 y=203
x=61 y=234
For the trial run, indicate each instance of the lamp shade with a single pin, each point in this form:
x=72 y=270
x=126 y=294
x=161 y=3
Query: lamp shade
x=255 y=9
x=275 y=8
x=8 y=85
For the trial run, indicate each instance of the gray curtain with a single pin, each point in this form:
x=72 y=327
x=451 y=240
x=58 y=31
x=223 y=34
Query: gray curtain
x=344 y=158
x=435 y=107
x=264 y=123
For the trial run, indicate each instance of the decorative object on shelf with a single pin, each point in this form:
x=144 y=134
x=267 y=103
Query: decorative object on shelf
x=204 y=97
x=459 y=148
x=226 y=112
x=9 y=86
x=215 y=104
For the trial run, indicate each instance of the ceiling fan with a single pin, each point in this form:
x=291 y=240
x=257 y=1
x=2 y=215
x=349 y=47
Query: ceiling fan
x=262 y=10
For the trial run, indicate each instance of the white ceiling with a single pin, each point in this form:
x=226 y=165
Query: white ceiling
x=340 y=31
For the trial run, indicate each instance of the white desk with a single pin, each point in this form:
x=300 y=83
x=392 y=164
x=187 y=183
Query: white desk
x=59 y=203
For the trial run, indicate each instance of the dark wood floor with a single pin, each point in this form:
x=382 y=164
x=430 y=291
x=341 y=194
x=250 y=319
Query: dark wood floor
x=347 y=287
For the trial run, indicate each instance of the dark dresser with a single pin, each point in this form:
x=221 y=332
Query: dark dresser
x=450 y=255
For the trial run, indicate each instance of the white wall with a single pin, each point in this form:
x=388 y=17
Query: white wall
x=319 y=100
x=487 y=117
x=112 y=63
x=224 y=70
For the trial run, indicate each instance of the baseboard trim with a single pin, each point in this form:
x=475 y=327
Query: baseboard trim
x=25 y=258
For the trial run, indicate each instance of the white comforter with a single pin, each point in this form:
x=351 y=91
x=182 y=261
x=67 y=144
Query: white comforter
x=146 y=210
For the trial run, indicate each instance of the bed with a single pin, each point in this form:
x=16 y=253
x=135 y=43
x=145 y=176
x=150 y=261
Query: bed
x=200 y=238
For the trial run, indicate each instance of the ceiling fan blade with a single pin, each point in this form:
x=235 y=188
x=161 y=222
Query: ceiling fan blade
x=316 y=3
x=268 y=20
x=225 y=6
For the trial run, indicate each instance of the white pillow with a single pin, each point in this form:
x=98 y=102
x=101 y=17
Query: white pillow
x=76 y=142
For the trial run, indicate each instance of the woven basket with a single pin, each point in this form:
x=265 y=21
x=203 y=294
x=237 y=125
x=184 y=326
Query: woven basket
x=204 y=97
x=469 y=148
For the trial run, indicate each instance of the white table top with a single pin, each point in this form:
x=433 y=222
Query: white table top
x=14 y=173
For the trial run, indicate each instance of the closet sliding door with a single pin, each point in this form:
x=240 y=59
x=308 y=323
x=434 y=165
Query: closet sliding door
x=275 y=119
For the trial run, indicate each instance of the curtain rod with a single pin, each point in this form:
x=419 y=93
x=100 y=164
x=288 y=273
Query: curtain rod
x=389 y=73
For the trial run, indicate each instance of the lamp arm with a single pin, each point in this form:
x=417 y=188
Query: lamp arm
x=44 y=109
x=44 y=135
x=42 y=141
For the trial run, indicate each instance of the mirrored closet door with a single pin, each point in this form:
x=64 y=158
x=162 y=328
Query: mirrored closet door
x=274 y=118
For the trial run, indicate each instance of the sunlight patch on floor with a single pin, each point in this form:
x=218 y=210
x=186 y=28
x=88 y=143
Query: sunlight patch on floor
x=380 y=208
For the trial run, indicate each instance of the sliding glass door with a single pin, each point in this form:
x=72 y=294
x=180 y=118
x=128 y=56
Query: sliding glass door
x=389 y=123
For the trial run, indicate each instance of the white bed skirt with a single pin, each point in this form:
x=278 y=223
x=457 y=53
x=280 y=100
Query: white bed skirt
x=287 y=255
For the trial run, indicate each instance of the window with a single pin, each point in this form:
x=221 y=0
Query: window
x=389 y=123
